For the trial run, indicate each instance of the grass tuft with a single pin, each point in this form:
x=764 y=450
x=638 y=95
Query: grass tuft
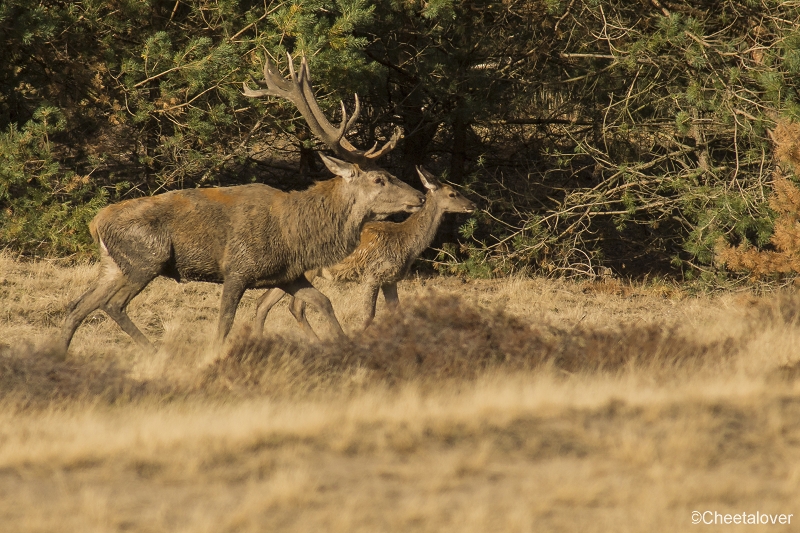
x=443 y=337
x=29 y=379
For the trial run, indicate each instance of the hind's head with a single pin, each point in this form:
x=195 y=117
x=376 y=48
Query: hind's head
x=446 y=197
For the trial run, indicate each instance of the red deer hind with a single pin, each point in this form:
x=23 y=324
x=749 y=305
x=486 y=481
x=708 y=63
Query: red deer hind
x=247 y=236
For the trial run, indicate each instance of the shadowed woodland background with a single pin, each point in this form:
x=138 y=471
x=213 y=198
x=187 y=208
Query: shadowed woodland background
x=595 y=133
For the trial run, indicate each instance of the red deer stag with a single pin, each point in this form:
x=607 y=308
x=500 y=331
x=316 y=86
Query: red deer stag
x=384 y=255
x=247 y=236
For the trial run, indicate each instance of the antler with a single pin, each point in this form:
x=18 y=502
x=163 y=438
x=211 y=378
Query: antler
x=298 y=90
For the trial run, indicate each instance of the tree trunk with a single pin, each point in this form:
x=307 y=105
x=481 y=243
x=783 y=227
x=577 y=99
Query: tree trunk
x=458 y=154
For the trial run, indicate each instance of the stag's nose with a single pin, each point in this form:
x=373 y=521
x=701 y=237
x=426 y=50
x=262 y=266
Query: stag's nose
x=413 y=208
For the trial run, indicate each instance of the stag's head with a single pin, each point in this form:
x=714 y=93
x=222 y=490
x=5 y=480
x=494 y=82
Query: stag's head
x=446 y=197
x=377 y=188
x=380 y=190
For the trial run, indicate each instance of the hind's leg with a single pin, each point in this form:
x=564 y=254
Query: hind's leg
x=298 y=309
x=390 y=296
x=370 y=300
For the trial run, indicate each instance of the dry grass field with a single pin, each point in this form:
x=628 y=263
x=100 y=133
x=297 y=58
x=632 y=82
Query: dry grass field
x=508 y=405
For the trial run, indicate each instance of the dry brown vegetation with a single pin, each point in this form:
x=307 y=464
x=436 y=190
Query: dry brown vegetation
x=509 y=405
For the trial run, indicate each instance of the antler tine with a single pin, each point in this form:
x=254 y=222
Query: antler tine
x=295 y=79
x=298 y=90
x=331 y=134
x=390 y=144
x=343 y=126
x=274 y=81
x=356 y=113
x=300 y=97
x=275 y=85
x=305 y=71
x=247 y=91
x=371 y=150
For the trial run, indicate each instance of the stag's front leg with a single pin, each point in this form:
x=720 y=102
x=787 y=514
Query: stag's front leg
x=232 y=291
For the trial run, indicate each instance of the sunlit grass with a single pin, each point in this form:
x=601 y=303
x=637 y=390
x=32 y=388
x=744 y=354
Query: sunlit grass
x=605 y=407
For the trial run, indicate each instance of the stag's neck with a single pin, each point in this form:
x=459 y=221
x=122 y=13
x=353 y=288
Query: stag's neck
x=329 y=222
x=420 y=228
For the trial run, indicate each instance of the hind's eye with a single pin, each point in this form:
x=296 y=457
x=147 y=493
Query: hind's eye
x=379 y=181
x=452 y=195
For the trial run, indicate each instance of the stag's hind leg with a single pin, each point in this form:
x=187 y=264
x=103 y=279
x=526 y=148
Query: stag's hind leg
x=304 y=292
x=111 y=292
x=264 y=304
x=79 y=309
x=116 y=305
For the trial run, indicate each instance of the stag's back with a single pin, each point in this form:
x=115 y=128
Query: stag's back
x=254 y=231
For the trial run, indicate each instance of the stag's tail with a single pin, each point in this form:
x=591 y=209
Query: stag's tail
x=93 y=231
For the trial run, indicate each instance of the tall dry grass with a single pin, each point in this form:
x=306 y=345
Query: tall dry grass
x=512 y=405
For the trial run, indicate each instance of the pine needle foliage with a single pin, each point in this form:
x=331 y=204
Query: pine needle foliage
x=646 y=127
x=44 y=210
x=784 y=258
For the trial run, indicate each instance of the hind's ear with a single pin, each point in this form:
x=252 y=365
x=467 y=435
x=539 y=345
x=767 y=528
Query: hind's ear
x=341 y=168
x=428 y=180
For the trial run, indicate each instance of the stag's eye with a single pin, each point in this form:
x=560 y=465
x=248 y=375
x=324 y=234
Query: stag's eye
x=379 y=181
x=452 y=195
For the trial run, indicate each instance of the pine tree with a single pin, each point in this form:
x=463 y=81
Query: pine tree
x=104 y=100
x=785 y=202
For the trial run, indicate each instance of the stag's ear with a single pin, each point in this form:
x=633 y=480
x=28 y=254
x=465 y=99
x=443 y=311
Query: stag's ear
x=341 y=168
x=428 y=180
